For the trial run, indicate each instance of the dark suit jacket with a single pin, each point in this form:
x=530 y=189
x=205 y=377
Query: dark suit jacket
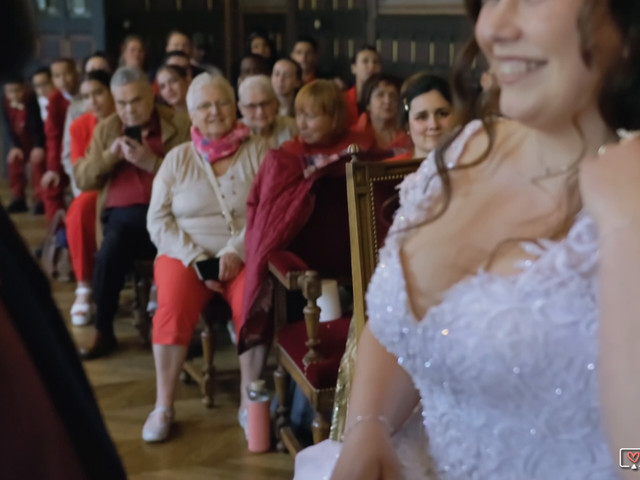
x=34 y=124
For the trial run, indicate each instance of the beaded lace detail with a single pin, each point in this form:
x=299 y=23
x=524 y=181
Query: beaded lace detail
x=506 y=366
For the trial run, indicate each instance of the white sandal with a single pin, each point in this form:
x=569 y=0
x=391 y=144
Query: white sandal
x=81 y=312
x=157 y=429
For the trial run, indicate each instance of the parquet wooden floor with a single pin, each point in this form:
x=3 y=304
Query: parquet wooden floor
x=205 y=443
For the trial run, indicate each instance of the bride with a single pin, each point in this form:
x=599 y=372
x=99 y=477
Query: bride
x=503 y=312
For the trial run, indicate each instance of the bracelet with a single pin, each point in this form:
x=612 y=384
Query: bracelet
x=368 y=418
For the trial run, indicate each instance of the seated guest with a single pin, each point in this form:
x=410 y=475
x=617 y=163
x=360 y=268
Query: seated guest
x=366 y=62
x=259 y=106
x=282 y=197
x=197 y=213
x=54 y=181
x=305 y=54
x=81 y=216
x=428 y=108
x=172 y=86
x=381 y=119
x=252 y=64
x=43 y=86
x=286 y=79
x=200 y=55
x=122 y=168
x=177 y=58
x=132 y=52
x=96 y=61
x=260 y=44
x=24 y=135
x=178 y=41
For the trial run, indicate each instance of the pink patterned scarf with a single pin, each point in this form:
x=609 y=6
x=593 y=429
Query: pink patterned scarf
x=214 y=150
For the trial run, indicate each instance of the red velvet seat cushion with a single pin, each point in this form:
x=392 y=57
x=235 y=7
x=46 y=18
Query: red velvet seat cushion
x=333 y=338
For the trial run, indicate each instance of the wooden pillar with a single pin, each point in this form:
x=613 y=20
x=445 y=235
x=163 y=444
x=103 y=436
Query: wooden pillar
x=233 y=43
x=292 y=30
x=372 y=14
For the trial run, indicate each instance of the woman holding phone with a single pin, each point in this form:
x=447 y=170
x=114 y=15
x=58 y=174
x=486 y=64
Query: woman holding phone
x=197 y=220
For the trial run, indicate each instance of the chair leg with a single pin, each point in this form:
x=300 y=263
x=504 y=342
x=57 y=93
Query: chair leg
x=281 y=379
x=320 y=428
x=208 y=369
x=143 y=322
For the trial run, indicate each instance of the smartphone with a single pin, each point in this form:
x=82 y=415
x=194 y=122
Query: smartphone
x=208 y=269
x=134 y=133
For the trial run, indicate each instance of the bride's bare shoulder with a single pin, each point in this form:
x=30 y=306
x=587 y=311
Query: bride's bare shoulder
x=506 y=135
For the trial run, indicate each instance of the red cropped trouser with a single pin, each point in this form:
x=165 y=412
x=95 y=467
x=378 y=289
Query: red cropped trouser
x=81 y=234
x=18 y=178
x=181 y=298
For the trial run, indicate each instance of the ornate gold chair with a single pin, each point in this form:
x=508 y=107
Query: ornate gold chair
x=309 y=352
x=338 y=239
x=372 y=199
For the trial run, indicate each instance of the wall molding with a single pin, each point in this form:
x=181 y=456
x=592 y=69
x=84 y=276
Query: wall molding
x=436 y=7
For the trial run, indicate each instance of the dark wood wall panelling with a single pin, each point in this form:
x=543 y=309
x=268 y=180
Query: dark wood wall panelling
x=66 y=29
x=408 y=40
x=273 y=23
x=154 y=19
x=272 y=17
x=339 y=26
x=414 y=43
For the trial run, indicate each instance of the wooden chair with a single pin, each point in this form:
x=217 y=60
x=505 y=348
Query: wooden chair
x=204 y=376
x=372 y=199
x=142 y=281
x=309 y=352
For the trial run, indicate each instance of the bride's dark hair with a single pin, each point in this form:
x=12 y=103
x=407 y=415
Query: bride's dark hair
x=619 y=96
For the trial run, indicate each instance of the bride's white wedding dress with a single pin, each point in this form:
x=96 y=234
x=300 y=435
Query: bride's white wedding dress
x=506 y=366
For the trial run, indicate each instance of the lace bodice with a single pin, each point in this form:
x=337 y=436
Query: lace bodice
x=506 y=367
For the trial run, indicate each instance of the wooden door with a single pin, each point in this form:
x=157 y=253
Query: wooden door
x=339 y=27
x=154 y=19
x=69 y=28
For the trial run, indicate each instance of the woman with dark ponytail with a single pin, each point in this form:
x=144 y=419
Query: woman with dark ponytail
x=502 y=340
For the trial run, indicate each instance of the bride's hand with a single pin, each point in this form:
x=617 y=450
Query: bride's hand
x=368 y=454
x=610 y=185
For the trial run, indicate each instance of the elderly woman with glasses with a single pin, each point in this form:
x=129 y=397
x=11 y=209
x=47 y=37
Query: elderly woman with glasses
x=197 y=215
x=259 y=106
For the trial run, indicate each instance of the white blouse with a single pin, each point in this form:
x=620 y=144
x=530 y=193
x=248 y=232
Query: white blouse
x=185 y=218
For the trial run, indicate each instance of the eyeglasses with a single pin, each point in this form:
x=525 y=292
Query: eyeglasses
x=252 y=107
x=219 y=104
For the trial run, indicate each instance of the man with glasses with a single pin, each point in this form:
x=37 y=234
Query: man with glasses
x=125 y=153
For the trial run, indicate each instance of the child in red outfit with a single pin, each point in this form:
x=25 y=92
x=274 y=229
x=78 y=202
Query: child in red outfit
x=54 y=181
x=25 y=136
